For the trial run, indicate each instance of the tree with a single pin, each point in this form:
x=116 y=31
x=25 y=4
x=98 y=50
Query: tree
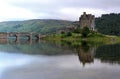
x=85 y=32
x=69 y=34
x=108 y=24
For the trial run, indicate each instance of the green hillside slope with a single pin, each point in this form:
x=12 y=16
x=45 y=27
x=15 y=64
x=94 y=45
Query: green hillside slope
x=44 y=26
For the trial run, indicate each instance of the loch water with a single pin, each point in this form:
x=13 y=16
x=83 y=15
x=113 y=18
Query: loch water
x=46 y=60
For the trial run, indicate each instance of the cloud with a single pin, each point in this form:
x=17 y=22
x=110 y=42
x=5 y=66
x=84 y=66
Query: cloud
x=101 y=4
x=9 y=12
x=55 y=9
x=74 y=13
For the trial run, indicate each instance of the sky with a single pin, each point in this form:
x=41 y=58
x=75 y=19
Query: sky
x=14 y=10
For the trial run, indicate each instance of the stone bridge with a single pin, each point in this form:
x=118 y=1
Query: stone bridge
x=18 y=35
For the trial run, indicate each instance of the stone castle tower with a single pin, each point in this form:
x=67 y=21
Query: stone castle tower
x=87 y=20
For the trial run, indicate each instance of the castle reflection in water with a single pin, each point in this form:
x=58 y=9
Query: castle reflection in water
x=86 y=56
x=106 y=54
x=86 y=52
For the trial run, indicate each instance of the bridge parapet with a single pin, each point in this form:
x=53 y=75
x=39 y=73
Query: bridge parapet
x=6 y=35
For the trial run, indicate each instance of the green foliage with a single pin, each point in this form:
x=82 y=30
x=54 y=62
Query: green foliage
x=85 y=32
x=69 y=34
x=95 y=34
x=77 y=31
x=62 y=32
x=64 y=35
x=108 y=24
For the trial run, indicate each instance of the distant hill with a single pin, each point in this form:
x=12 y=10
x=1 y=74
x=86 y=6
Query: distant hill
x=44 y=26
x=106 y=24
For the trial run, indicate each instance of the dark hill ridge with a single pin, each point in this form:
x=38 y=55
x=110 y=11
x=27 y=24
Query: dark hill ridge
x=109 y=24
x=43 y=26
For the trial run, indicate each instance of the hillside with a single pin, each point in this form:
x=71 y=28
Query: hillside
x=106 y=24
x=44 y=26
x=109 y=24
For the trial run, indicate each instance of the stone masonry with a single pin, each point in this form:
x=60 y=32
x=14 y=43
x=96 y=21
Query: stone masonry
x=87 y=20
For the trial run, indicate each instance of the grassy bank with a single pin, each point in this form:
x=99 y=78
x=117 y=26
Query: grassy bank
x=91 y=38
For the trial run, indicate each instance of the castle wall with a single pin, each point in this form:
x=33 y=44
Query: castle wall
x=87 y=20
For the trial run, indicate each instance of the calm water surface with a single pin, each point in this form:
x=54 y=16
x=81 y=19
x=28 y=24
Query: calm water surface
x=54 y=61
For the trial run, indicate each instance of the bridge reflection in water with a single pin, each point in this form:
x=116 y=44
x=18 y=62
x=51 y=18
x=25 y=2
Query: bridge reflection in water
x=23 y=41
x=19 y=37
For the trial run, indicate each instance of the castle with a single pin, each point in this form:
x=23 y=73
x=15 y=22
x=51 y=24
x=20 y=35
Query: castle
x=87 y=20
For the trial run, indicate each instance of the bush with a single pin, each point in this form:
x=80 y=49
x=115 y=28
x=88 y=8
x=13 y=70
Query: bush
x=62 y=32
x=77 y=31
x=85 y=32
x=69 y=34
